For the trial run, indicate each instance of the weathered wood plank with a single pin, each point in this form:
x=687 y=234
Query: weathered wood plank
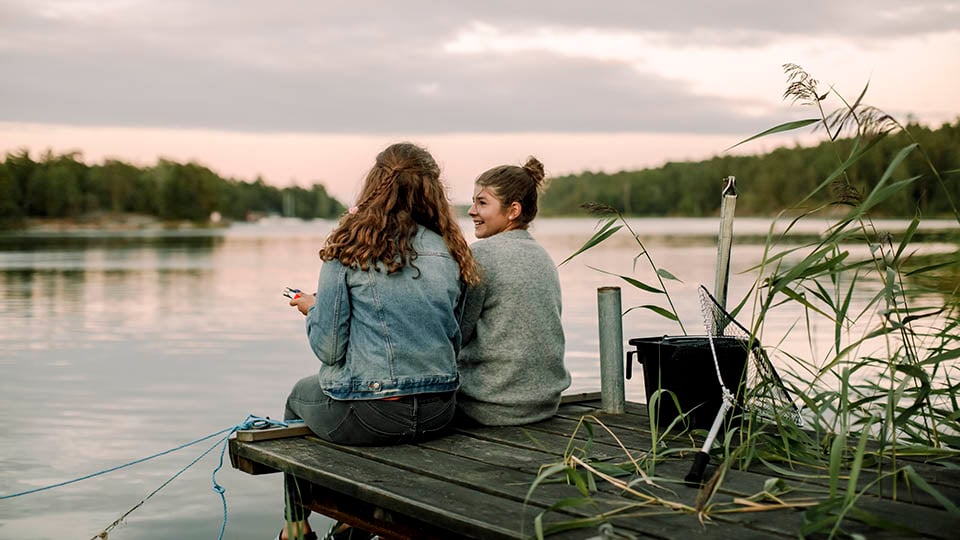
x=875 y=485
x=513 y=485
x=932 y=469
x=247 y=465
x=474 y=482
x=668 y=484
x=266 y=434
x=745 y=483
x=637 y=419
x=500 y=480
x=533 y=440
x=654 y=521
x=462 y=512
x=914 y=509
x=583 y=397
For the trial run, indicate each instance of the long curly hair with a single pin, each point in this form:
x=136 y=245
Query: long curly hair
x=401 y=191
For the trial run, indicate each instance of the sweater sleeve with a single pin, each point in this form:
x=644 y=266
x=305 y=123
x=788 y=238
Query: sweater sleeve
x=472 y=306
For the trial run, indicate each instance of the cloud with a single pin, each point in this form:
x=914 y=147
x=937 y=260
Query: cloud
x=728 y=21
x=369 y=67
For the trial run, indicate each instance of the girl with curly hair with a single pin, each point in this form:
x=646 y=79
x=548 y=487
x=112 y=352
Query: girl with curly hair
x=385 y=319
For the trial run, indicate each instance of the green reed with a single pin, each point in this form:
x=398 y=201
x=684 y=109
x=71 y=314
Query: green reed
x=882 y=397
x=610 y=227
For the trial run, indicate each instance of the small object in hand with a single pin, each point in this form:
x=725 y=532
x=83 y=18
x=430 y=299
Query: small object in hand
x=292 y=294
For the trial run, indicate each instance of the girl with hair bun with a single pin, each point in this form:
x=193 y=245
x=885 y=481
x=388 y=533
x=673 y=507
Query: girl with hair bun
x=385 y=319
x=511 y=363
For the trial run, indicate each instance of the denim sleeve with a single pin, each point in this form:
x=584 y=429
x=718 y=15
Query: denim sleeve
x=328 y=321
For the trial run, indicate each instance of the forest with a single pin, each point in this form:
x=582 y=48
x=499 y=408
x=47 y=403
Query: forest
x=771 y=182
x=63 y=186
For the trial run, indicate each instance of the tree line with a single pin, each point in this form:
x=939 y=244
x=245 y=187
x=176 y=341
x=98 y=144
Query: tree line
x=63 y=186
x=771 y=182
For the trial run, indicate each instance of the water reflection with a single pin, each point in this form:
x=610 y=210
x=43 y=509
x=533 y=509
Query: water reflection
x=172 y=240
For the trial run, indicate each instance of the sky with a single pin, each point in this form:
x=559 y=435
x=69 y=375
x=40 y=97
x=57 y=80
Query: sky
x=299 y=92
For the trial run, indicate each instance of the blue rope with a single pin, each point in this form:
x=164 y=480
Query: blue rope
x=251 y=422
x=108 y=528
x=112 y=469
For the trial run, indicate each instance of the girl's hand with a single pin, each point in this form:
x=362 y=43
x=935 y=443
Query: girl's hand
x=304 y=302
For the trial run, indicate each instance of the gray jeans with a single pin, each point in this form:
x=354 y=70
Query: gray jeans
x=374 y=422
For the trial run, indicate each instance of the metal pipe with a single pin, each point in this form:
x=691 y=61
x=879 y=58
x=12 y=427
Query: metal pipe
x=609 y=315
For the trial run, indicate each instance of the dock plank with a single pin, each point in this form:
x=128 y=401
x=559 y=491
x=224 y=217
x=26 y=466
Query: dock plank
x=669 y=475
x=434 y=507
x=942 y=478
x=498 y=478
x=474 y=483
x=636 y=418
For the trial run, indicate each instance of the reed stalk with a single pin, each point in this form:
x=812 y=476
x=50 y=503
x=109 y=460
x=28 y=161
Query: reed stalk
x=885 y=393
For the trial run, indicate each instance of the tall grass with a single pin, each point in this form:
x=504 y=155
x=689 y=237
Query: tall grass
x=885 y=393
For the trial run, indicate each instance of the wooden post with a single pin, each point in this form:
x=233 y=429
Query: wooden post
x=728 y=207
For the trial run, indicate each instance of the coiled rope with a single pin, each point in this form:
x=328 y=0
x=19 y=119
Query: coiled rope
x=251 y=422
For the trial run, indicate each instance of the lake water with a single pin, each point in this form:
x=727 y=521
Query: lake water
x=115 y=347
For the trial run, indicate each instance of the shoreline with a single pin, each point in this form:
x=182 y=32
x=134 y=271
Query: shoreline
x=747 y=229
x=106 y=223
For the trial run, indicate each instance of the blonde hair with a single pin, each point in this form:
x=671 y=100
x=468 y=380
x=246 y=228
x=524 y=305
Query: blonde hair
x=401 y=191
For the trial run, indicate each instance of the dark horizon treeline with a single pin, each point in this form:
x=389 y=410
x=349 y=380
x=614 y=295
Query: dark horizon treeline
x=63 y=186
x=770 y=182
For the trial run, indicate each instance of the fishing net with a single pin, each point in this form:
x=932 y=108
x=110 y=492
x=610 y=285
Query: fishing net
x=764 y=394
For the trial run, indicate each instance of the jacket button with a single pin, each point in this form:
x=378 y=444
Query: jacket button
x=375 y=386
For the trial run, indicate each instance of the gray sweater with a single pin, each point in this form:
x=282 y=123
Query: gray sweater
x=511 y=363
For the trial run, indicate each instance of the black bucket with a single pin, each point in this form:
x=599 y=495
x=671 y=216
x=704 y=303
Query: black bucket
x=684 y=366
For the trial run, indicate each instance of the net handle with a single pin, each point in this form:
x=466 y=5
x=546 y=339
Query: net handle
x=713 y=349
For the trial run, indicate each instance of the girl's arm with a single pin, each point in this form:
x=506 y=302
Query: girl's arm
x=472 y=307
x=328 y=321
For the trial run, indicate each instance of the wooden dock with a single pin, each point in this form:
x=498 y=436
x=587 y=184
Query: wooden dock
x=474 y=483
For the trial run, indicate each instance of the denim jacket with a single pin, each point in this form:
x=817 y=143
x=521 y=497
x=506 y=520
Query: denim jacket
x=381 y=335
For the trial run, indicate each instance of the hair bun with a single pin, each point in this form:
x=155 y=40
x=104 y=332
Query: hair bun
x=535 y=169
